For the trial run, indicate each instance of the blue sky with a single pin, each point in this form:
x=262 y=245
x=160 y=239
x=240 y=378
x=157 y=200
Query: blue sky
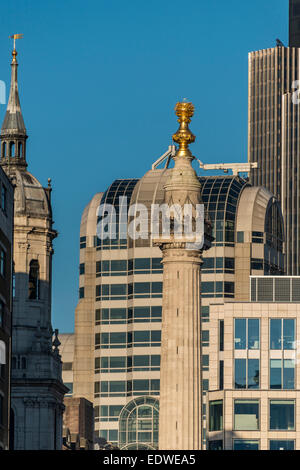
x=98 y=83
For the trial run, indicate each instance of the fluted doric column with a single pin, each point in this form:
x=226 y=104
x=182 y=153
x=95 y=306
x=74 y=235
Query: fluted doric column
x=180 y=422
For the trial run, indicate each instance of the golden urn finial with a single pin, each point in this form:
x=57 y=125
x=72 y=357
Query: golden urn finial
x=184 y=136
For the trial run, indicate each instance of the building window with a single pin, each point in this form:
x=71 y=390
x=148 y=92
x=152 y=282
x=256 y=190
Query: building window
x=240 y=237
x=282 y=445
x=221 y=375
x=139 y=424
x=246 y=415
x=282 y=374
x=121 y=388
x=69 y=385
x=82 y=268
x=216 y=415
x=3 y=153
x=2 y=352
x=282 y=415
x=257 y=237
x=81 y=292
x=107 y=413
x=109 y=316
x=82 y=242
x=282 y=334
x=119 y=364
x=221 y=336
x=205 y=338
x=1 y=410
x=257 y=264
x=215 y=445
x=246 y=373
x=3 y=198
x=34 y=282
x=246 y=333
x=205 y=313
x=2 y=313
x=20 y=150
x=243 y=444
x=2 y=262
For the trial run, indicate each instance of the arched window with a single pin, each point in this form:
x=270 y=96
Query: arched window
x=34 y=282
x=12 y=149
x=2 y=352
x=20 y=150
x=3 y=153
x=139 y=424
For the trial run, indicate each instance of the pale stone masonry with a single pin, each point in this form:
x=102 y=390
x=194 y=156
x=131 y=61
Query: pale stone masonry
x=264 y=312
x=180 y=424
x=37 y=390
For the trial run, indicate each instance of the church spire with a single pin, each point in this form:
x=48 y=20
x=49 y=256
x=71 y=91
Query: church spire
x=13 y=132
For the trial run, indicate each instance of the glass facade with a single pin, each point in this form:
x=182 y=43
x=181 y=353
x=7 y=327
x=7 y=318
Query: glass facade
x=139 y=424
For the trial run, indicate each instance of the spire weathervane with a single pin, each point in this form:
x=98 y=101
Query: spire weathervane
x=14 y=37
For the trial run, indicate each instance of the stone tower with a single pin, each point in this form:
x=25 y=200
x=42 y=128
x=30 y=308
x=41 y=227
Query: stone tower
x=180 y=422
x=37 y=389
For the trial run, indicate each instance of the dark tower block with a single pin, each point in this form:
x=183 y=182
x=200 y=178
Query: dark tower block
x=294 y=23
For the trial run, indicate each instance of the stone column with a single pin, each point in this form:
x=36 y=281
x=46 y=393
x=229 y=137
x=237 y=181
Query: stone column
x=180 y=416
x=181 y=395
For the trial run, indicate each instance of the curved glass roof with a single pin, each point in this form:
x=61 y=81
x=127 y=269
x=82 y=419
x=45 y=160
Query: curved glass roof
x=119 y=188
x=220 y=195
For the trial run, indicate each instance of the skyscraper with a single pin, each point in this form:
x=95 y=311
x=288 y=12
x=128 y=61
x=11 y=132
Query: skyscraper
x=37 y=390
x=273 y=130
x=294 y=23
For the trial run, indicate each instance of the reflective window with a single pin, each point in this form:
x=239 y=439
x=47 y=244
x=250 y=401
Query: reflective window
x=215 y=445
x=216 y=415
x=282 y=334
x=282 y=415
x=282 y=374
x=247 y=333
x=244 y=444
x=282 y=445
x=246 y=373
x=139 y=424
x=246 y=415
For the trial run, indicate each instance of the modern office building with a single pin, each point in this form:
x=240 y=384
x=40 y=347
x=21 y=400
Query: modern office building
x=6 y=245
x=37 y=390
x=273 y=130
x=253 y=402
x=66 y=350
x=117 y=344
x=294 y=23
